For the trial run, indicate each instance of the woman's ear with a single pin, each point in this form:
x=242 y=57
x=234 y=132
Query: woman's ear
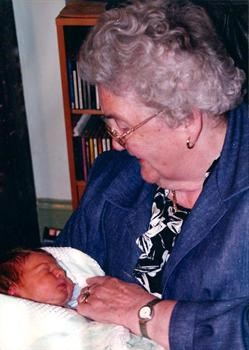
x=193 y=125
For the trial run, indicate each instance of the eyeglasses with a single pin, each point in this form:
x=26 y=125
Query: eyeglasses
x=121 y=138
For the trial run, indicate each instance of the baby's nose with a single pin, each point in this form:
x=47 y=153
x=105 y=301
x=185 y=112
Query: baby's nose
x=59 y=273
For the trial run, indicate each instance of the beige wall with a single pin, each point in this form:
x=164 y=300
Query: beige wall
x=37 y=41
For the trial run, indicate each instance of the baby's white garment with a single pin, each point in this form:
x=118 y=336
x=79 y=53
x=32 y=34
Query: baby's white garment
x=76 y=292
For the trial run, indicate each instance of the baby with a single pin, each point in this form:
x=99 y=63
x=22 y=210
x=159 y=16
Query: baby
x=34 y=274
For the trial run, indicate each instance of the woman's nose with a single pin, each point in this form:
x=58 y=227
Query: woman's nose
x=116 y=145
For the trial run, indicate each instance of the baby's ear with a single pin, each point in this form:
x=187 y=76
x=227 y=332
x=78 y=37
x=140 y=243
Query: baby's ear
x=12 y=290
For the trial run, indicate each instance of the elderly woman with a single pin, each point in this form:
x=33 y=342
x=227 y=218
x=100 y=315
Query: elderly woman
x=167 y=212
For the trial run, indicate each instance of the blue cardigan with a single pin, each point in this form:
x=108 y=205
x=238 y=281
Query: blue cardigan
x=208 y=270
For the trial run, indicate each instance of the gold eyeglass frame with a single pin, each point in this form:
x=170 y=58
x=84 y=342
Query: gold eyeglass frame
x=122 y=138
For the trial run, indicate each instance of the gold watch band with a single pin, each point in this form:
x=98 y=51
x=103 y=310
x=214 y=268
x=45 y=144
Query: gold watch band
x=143 y=322
x=143 y=328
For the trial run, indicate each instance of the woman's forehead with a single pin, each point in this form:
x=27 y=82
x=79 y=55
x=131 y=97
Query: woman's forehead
x=120 y=107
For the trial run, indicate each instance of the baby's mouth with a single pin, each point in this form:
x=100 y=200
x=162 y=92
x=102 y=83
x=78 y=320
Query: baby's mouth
x=62 y=285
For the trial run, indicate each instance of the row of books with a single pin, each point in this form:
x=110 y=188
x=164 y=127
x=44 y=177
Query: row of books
x=90 y=139
x=82 y=94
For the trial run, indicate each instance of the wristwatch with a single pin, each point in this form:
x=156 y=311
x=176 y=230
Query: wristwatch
x=145 y=314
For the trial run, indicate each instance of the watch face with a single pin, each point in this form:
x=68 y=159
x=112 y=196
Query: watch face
x=145 y=313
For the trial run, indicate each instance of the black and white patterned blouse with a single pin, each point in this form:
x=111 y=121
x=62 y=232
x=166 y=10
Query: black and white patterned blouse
x=158 y=241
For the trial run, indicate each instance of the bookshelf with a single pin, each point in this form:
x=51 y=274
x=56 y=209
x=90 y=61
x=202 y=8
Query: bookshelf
x=73 y=23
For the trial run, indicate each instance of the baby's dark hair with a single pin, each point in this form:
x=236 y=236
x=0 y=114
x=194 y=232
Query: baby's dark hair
x=11 y=263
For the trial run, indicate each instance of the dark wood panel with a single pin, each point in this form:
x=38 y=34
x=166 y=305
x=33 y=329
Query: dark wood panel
x=18 y=217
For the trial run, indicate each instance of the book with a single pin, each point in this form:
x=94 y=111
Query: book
x=70 y=82
x=85 y=159
x=97 y=98
x=88 y=95
x=92 y=97
x=78 y=157
x=84 y=92
x=75 y=89
x=79 y=84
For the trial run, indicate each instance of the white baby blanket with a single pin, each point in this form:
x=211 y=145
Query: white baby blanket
x=27 y=325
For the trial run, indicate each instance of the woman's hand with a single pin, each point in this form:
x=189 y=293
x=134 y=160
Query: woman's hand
x=113 y=301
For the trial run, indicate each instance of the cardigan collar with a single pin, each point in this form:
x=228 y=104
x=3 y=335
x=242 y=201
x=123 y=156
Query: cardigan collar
x=233 y=168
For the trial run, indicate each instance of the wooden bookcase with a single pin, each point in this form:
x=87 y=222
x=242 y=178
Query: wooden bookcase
x=73 y=23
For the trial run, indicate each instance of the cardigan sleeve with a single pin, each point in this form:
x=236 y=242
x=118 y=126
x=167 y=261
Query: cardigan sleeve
x=210 y=325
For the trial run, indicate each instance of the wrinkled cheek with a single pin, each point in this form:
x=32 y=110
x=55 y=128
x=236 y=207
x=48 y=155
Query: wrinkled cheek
x=137 y=149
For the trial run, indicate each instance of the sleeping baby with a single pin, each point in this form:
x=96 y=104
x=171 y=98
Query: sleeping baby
x=39 y=288
x=35 y=275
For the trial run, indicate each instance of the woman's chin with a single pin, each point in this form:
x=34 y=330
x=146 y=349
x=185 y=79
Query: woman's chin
x=149 y=175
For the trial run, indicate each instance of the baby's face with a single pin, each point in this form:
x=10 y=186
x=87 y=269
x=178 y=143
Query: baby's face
x=43 y=280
